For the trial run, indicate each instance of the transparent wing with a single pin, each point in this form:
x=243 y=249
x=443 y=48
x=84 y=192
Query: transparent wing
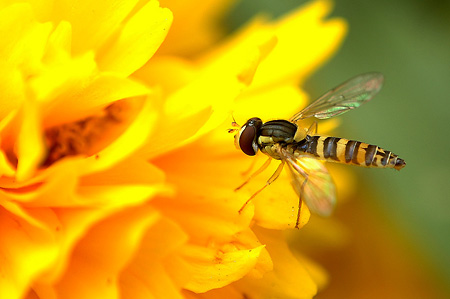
x=312 y=183
x=347 y=96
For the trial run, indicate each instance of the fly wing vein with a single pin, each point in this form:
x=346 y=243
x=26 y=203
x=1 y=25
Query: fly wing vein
x=318 y=191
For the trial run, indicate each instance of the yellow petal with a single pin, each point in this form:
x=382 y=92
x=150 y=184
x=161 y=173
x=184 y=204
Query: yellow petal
x=30 y=143
x=203 y=221
x=305 y=40
x=156 y=270
x=73 y=225
x=318 y=274
x=154 y=283
x=197 y=20
x=13 y=92
x=206 y=205
x=21 y=51
x=26 y=252
x=59 y=42
x=6 y=169
x=137 y=41
x=128 y=183
x=98 y=258
x=66 y=226
x=276 y=207
x=248 y=239
x=79 y=101
x=213 y=89
x=26 y=40
x=277 y=102
x=175 y=133
x=223 y=88
x=119 y=196
x=241 y=58
x=179 y=72
x=222 y=79
x=93 y=22
x=133 y=170
x=254 y=35
x=215 y=217
x=227 y=292
x=289 y=278
x=63 y=75
x=214 y=269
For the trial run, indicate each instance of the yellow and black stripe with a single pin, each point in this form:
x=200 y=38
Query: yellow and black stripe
x=340 y=150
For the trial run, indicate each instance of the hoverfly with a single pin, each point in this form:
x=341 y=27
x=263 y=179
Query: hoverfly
x=302 y=151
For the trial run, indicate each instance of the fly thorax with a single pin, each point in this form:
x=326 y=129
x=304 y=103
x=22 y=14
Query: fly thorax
x=278 y=131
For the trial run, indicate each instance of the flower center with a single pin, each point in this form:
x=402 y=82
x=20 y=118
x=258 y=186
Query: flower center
x=84 y=137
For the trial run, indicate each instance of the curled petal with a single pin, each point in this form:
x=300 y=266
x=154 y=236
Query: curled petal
x=212 y=269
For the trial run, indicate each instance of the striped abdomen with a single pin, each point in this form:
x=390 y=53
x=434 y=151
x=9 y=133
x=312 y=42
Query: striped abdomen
x=333 y=149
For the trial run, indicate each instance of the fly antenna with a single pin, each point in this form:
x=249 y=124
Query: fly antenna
x=234 y=124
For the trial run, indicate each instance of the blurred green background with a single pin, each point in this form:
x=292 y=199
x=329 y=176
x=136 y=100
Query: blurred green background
x=409 y=42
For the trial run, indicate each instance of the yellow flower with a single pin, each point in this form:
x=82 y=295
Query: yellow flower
x=118 y=171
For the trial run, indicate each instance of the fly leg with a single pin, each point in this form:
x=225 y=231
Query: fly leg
x=272 y=179
x=252 y=165
x=261 y=169
x=299 y=186
x=297 y=223
x=249 y=170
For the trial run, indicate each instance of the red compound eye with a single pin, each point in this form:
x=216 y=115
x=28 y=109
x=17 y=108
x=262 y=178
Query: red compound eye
x=246 y=140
